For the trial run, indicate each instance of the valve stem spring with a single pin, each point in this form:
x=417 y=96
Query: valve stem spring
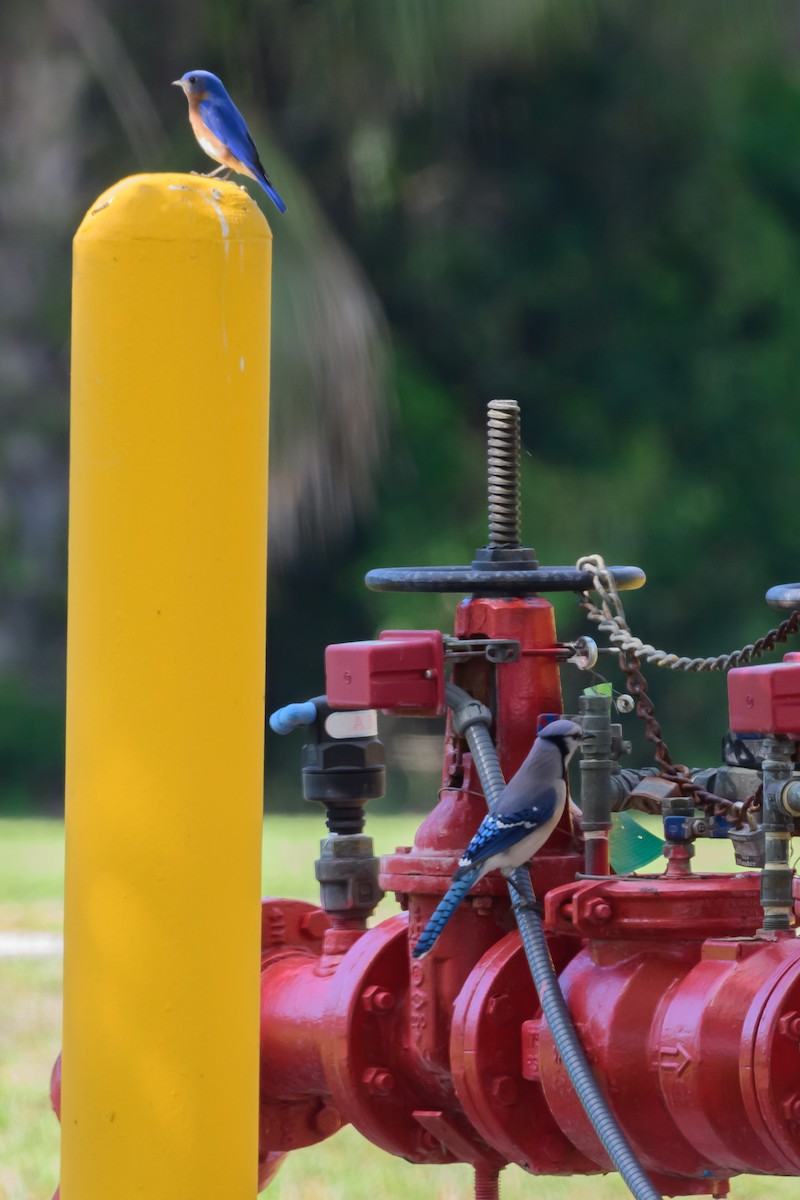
x=504 y=504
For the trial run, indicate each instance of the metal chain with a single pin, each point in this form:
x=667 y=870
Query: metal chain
x=733 y=810
x=611 y=616
x=610 y=619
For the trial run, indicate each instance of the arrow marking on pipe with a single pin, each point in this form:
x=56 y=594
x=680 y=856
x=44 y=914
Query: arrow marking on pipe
x=674 y=1058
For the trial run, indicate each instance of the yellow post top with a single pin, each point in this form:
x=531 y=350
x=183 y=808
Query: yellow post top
x=165 y=692
x=174 y=206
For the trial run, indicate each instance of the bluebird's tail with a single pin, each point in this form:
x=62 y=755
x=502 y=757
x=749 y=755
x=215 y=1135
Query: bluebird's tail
x=447 y=906
x=273 y=195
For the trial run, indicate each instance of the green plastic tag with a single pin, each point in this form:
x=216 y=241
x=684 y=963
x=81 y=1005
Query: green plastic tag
x=630 y=845
x=599 y=689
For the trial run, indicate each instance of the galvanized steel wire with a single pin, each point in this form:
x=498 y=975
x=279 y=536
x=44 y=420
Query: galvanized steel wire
x=610 y=618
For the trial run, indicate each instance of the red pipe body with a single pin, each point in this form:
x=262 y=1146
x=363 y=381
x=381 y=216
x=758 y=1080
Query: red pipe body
x=690 y=1019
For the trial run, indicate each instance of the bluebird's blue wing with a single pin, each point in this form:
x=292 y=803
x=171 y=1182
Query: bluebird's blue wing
x=225 y=121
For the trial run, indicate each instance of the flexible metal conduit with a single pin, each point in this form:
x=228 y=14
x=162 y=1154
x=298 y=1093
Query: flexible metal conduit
x=567 y=1042
x=471 y=720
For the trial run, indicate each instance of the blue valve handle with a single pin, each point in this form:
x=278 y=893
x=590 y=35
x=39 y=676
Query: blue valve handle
x=292 y=716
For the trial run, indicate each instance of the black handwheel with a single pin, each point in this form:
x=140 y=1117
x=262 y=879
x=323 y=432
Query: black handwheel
x=498 y=581
x=784 y=595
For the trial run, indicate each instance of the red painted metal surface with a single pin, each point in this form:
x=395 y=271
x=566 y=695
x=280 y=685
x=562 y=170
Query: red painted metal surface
x=695 y=1040
x=766 y=698
x=689 y=1015
x=55 y=1102
x=294 y=1110
x=522 y=690
x=403 y=671
x=370 y=1036
x=695 y=1047
x=654 y=907
x=507 y=1107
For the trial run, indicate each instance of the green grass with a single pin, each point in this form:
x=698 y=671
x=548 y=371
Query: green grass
x=31 y=874
x=30 y=1037
x=325 y=1172
x=343 y=1168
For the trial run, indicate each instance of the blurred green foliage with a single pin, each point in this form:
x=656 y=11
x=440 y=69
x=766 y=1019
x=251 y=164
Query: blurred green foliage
x=594 y=208
x=31 y=749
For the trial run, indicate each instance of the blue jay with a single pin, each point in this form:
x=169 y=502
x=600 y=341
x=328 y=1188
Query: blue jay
x=526 y=813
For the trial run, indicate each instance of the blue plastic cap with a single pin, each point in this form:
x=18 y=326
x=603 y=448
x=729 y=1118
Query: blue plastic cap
x=291 y=716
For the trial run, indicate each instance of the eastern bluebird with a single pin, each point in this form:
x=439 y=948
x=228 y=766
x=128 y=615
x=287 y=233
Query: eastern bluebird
x=526 y=813
x=220 y=129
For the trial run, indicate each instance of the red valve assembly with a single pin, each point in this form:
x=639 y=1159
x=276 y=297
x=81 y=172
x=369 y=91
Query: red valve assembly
x=683 y=987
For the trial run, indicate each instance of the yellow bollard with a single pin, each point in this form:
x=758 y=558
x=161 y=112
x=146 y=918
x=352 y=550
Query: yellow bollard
x=165 y=693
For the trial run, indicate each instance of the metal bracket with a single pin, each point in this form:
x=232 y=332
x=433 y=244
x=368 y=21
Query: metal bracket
x=494 y=650
x=583 y=652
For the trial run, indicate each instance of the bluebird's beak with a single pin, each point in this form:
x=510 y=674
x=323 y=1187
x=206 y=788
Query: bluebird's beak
x=177 y=83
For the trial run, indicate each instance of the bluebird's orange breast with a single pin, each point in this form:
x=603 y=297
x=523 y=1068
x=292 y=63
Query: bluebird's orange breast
x=209 y=141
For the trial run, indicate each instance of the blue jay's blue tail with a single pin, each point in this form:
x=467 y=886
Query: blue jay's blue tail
x=273 y=195
x=447 y=906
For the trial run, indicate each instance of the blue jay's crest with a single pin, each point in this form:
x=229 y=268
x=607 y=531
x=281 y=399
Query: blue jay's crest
x=564 y=734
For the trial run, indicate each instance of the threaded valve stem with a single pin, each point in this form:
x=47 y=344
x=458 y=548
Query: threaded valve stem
x=504 y=504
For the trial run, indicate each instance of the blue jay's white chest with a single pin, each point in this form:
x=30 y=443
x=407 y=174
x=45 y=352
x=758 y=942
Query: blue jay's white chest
x=526 y=847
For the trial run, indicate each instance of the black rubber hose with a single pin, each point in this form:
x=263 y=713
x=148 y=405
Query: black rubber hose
x=567 y=1042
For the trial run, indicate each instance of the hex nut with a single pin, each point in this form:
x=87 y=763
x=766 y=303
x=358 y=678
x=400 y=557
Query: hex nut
x=378 y=1081
x=598 y=911
x=327 y=1121
x=789 y=1025
x=377 y=999
x=314 y=924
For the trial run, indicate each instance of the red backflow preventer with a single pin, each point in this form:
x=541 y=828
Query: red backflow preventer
x=766 y=699
x=402 y=672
